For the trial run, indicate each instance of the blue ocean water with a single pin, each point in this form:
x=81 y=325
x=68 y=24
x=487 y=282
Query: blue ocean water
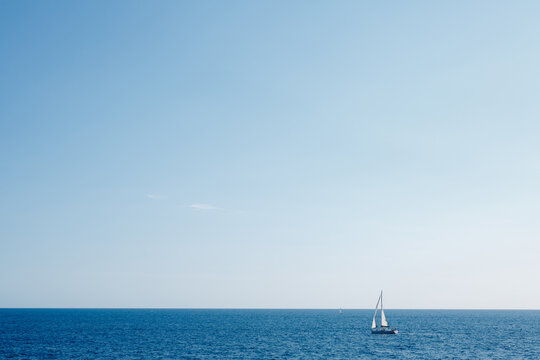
x=265 y=334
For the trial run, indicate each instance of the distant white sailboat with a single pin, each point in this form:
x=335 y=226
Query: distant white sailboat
x=384 y=328
x=340 y=311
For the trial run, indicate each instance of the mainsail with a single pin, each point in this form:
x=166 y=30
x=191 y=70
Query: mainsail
x=383 y=319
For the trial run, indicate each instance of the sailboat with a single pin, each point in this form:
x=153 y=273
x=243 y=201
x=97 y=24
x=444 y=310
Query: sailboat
x=384 y=328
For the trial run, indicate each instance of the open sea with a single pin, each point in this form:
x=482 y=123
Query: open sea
x=266 y=334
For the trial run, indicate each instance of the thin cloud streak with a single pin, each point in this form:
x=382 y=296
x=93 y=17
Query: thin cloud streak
x=203 y=207
x=155 y=197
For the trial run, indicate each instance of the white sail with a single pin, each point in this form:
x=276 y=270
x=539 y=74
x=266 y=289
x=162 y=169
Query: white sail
x=383 y=319
x=374 y=322
x=384 y=323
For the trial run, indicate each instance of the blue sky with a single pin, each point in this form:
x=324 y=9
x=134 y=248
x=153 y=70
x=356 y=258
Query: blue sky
x=269 y=154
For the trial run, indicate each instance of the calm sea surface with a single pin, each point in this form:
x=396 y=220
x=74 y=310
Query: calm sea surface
x=266 y=334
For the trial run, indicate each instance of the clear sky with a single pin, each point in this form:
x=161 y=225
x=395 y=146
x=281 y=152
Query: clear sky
x=270 y=154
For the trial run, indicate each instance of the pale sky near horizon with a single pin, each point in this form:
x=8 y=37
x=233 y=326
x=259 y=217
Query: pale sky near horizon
x=297 y=154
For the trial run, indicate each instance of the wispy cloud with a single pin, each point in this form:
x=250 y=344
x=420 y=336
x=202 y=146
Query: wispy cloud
x=155 y=197
x=203 y=207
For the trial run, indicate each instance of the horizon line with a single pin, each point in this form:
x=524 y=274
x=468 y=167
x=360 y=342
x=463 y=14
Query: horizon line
x=253 y=308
